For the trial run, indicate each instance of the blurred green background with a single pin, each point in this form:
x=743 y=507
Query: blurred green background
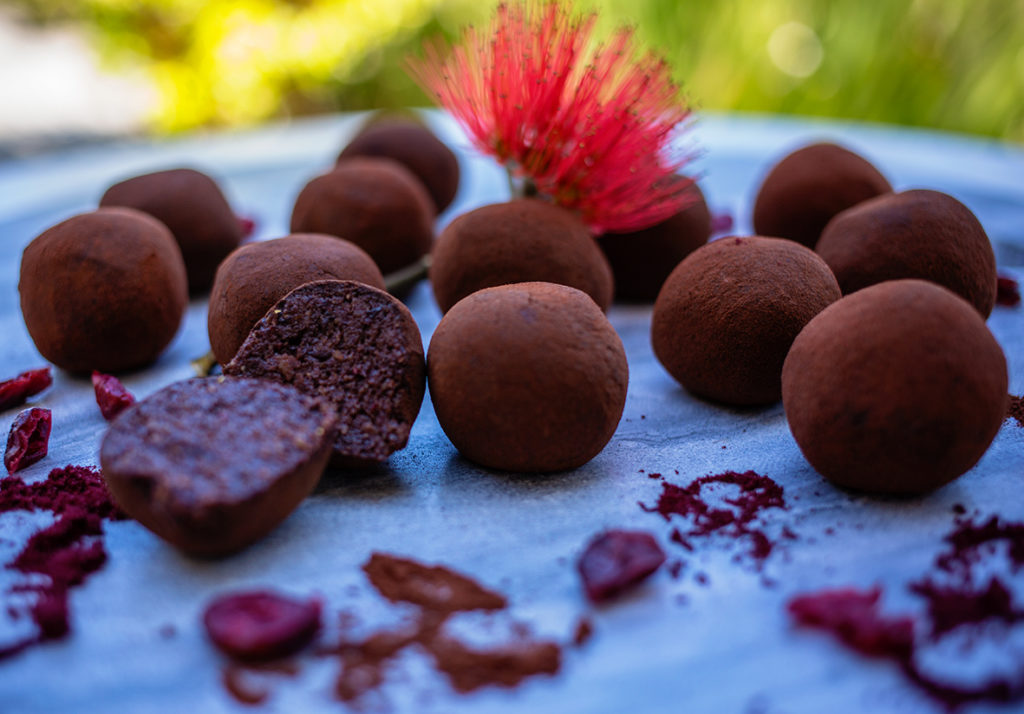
x=950 y=64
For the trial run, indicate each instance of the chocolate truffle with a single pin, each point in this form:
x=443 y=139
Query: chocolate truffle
x=914 y=234
x=257 y=275
x=807 y=188
x=378 y=204
x=358 y=348
x=642 y=260
x=528 y=377
x=103 y=291
x=193 y=207
x=519 y=241
x=898 y=388
x=413 y=145
x=211 y=465
x=728 y=314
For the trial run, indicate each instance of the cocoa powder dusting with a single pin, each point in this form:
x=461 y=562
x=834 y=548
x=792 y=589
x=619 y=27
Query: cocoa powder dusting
x=1015 y=409
x=431 y=587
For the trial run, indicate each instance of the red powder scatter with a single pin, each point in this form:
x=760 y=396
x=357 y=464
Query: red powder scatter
x=111 y=395
x=853 y=616
x=1008 y=292
x=675 y=568
x=757 y=493
x=237 y=684
x=583 y=632
x=66 y=552
x=29 y=439
x=952 y=604
x=248 y=226
x=16 y=390
x=654 y=475
x=616 y=561
x=1015 y=409
x=261 y=625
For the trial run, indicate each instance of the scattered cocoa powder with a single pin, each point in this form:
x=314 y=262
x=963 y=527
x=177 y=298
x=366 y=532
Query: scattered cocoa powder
x=1015 y=409
x=433 y=588
x=756 y=494
x=65 y=552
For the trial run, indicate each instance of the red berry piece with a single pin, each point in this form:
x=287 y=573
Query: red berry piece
x=261 y=625
x=853 y=616
x=111 y=395
x=15 y=391
x=29 y=439
x=616 y=561
x=248 y=226
x=1007 y=291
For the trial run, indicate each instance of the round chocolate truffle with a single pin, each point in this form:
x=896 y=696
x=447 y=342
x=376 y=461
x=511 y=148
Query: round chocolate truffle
x=378 y=204
x=642 y=260
x=898 y=388
x=515 y=242
x=257 y=275
x=103 y=291
x=211 y=465
x=413 y=145
x=728 y=314
x=353 y=345
x=193 y=207
x=914 y=234
x=528 y=377
x=807 y=188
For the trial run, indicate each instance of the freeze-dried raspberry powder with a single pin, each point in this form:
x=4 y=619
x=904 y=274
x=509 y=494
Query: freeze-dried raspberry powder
x=65 y=553
x=16 y=390
x=111 y=395
x=617 y=560
x=29 y=439
x=854 y=617
x=757 y=493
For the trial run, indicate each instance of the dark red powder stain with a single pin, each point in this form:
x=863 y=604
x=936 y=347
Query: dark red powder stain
x=757 y=493
x=1007 y=292
x=1015 y=409
x=66 y=552
x=16 y=390
x=953 y=601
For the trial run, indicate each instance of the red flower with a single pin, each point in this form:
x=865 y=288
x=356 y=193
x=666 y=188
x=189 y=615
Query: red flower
x=591 y=126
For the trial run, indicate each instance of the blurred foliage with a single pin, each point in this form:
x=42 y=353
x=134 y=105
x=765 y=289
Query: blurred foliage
x=951 y=64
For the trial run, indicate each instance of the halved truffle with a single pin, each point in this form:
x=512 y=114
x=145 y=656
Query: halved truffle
x=808 y=187
x=193 y=207
x=211 y=465
x=103 y=291
x=526 y=240
x=378 y=204
x=914 y=234
x=413 y=145
x=257 y=275
x=642 y=260
x=727 y=315
x=353 y=345
x=898 y=388
x=528 y=377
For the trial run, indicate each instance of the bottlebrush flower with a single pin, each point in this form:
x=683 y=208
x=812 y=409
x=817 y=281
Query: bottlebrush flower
x=590 y=125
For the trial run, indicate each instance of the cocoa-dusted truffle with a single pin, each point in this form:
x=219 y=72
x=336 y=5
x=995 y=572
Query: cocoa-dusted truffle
x=103 y=291
x=192 y=206
x=378 y=204
x=642 y=260
x=211 y=465
x=413 y=145
x=898 y=388
x=257 y=275
x=358 y=348
x=729 y=312
x=807 y=188
x=913 y=234
x=519 y=241
x=527 y=377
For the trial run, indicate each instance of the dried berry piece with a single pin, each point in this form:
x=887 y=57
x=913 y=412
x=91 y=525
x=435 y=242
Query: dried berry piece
x=16 y=390
x=853 y=617
x=111 y=395
x=29 y=439
x=1007 y=291
x=617 y=560
x=261 y=625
